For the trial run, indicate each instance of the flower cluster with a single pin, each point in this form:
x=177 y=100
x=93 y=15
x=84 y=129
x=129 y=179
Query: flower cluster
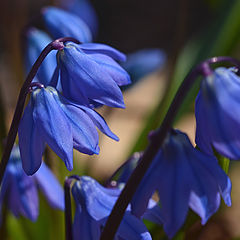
x=68 y=87
x=61 y=111
x=187 y=177
x=67 y=90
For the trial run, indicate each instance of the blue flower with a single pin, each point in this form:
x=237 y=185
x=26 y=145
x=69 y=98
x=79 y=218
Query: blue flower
x=84 y=10
x=36 y=41
x=88 y=72
x=143 y=62
x=50 y=118
x=19 y=191
x=61 y=23
x=218 y=115
x=184 y=177
x=93 y=206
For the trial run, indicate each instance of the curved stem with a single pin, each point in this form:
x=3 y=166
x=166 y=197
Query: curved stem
x=55 y=45
x=156 y=141
x=68 y=206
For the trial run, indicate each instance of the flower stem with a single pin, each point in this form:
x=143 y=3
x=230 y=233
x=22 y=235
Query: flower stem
x=156 y=141
x=68 y=206
x=54 y=45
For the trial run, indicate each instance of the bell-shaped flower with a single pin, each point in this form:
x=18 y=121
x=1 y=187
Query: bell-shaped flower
x=36 y=41
x=143 y=62
x=93 y=206
x=60 y=23
x=20 y=192
x=217 y=113
x=84 y=10
x=183 y=177
x=89 y=72
x=50 y=118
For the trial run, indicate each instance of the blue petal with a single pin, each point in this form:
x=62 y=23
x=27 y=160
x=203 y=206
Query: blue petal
x=70 y=89
x=88 y=193
x=31 y=142
x=132 y=228
x=87 y=76
x=36 y=41
x=85 y=226
x=53 y=192
x=85 y=136
x=117 y=73
x=222 y=180
x=61 y=23
x=205 y=198
x=175 y=194
x=146 y=189
x=89 y=48
x=203 y=130
x=153 y=214
x=100 y=122
x=6 y=182
x=23 y=197
x=55 y=128
x=129 y=166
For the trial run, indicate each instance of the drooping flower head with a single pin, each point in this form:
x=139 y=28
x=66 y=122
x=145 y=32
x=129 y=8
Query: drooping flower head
x=20 y=192
x=89 y=72
x=218 y=114
x=93 y=206
x=61 y=23
x=36 y=41
x=183 y=177
x=51 y=119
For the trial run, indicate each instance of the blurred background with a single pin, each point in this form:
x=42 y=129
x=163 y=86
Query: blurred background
x=187 y=32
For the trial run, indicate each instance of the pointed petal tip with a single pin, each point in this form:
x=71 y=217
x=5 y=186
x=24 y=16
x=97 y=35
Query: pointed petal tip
x=227 y=200
x=31 y=171
x=97 y=150
x=121 y=105
x=69 y=166
x=205 y=219
x=33 y=218
x=226 y=194
x=115 y=137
